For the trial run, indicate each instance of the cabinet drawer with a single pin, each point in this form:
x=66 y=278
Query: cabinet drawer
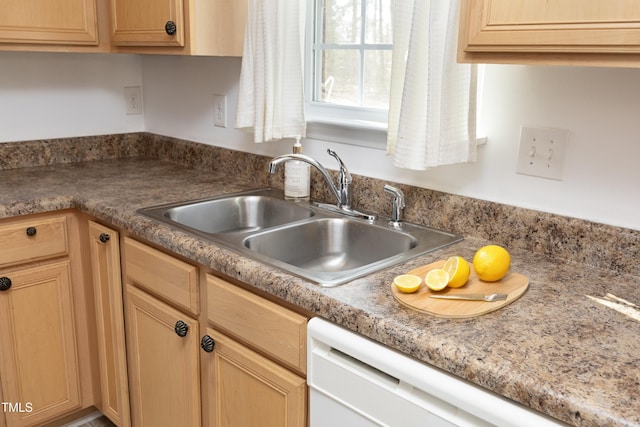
x=267 y=326
x=162 y=275
x=32 y=240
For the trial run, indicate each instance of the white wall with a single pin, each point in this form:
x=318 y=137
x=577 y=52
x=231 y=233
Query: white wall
x=49 y=95
x=52 y=95
x=600 y=106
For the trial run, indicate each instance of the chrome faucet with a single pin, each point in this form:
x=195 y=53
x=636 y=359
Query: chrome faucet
x=341 y=191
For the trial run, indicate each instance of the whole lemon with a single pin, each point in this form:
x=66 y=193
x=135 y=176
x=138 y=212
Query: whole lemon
x=491 y=263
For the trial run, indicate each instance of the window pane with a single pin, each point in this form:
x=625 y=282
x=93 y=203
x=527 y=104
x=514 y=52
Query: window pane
x=340 y=77
x=378 y=22
x=341 y=21
x=377 y=78
x=351 y=58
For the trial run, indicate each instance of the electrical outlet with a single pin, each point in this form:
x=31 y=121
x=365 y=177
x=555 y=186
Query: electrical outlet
x=133 y=99
x=220 y=111
x=542 y=152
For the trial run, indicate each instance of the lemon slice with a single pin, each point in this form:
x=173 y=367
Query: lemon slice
x=437 y=279
x=407 y=283
x=458 y=269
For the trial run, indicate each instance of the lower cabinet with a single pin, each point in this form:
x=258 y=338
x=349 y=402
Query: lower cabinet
x=104 y=247
x=162 y=337
x=247 y=389
x=261 y=382
x=187 y=368
x=146 y=337
x=39 y=364
x=46 y=326
x=164 y=367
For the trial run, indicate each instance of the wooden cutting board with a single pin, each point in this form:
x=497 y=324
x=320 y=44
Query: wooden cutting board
x=513 y=284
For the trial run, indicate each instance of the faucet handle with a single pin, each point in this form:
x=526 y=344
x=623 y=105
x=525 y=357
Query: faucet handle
x=398 y=203
x=345 y=176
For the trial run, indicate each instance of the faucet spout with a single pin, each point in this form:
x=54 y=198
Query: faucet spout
x=340 y=191
x=275 y=162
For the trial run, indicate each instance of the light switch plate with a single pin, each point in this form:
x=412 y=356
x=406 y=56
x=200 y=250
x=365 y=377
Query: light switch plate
x=542 y=152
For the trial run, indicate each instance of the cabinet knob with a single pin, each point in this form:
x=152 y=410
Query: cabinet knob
x=170 y=27
x=5 y=284
x=181 y=328
x=104 y=237
x=207 y=343
x=31 y=231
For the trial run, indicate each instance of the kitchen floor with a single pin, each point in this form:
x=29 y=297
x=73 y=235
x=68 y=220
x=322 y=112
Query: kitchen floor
x=101 y=421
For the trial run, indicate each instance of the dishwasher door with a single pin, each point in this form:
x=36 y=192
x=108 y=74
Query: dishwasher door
x=356 y=382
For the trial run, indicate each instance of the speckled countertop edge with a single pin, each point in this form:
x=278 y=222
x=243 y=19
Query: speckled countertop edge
x=555 y=350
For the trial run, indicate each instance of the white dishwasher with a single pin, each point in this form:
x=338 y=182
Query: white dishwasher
x=356 y=382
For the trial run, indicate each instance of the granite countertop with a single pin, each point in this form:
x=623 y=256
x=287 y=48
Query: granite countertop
x=560 y=349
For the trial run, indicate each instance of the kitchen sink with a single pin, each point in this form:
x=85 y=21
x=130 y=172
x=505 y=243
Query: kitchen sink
x=301 y=238
x=330 y=244
x=331 y=251
x=238 y=213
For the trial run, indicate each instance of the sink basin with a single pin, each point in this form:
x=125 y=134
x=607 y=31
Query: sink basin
x=239 y=213
x=331 y=251
x=301 y=238
x=330 y=244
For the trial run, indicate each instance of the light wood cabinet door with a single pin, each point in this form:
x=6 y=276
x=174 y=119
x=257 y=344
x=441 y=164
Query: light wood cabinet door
x=247 y=389
x=564 y=31
x=38 y=358
x=107 y=284
x=200 y=27
x=147 y=22
x=164 y=368
x=70 y=22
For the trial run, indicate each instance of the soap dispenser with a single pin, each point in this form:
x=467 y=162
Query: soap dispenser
x=296 y=176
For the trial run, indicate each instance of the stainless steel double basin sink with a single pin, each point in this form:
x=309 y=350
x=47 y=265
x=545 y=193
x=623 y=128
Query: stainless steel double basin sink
x=303 y=239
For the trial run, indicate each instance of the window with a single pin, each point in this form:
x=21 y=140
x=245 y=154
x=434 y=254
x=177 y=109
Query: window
x=348 y=62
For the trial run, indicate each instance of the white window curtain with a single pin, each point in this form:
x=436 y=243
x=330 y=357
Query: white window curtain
x=432 y=109
x=271 y=92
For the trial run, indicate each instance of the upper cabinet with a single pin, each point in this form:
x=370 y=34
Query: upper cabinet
x=588 y=32
x=67 y=23
x=177 y=27
x=147 y=22
x=187 y=27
